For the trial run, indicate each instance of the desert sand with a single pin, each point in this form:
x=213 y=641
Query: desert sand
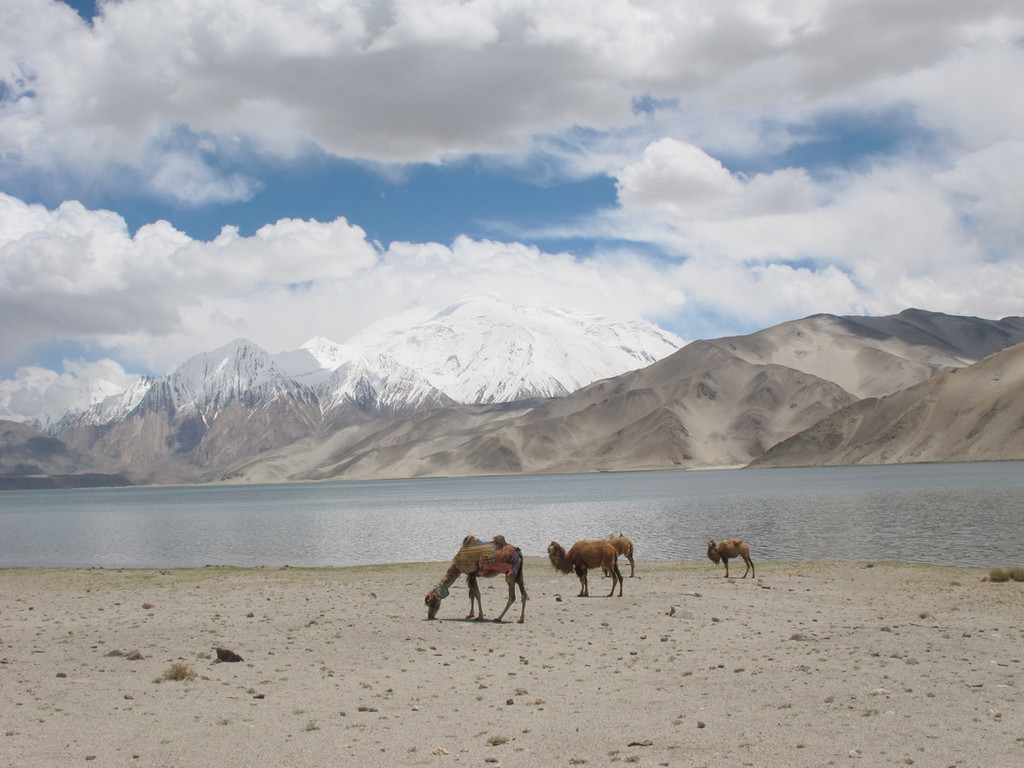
x=807 y=665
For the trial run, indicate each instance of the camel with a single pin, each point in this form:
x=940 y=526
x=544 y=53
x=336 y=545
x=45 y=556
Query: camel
x=731 y=548
x=586 y=554
x=482 y=558
x=624 y=547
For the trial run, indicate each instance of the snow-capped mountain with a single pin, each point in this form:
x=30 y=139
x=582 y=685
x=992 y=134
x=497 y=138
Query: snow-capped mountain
x=315 y=360
x=241 y=369
x=479 y=350
x=375 y=408
x=376 y=384
x=64 y=395
x=239 y=399
x=485 y=350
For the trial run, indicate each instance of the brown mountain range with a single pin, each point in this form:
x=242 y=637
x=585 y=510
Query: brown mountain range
x=821 y=390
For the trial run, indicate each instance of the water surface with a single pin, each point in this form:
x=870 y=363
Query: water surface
x=946 y=514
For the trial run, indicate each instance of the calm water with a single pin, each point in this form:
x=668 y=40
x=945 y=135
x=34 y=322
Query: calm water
x=948 y=514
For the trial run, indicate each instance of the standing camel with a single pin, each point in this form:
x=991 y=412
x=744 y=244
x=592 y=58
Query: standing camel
x=624 y=546
x=731 y=548
x=586 y=554
x=482 y=558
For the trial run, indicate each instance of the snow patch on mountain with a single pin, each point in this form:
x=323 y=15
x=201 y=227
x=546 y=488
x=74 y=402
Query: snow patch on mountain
x=486 y=350
x=479 y=350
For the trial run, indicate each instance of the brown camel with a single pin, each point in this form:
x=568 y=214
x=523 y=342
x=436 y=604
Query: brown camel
x=731 y=548
x=584 y=555
x=482 y=558
x=624 y=547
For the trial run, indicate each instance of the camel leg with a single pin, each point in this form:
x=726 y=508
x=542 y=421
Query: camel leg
x=523 y=597
x=474 y=594
x=511 y=599
x=584 y=587
x=616 y=577
x=726 y=561
x=750 y=567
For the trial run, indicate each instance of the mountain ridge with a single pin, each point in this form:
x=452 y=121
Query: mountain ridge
x=724 y=402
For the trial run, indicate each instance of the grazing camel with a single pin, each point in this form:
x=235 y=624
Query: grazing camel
x=731 y=548
x=482 y=558
x=624 y=547
x=583 y=555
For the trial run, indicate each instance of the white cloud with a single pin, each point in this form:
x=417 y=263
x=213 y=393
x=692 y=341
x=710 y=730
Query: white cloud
x=778 y=245
x=77 y=274
x=421 y=80
x=160 y=296
x=687 y=183
x=167 y=95
x=39 y=393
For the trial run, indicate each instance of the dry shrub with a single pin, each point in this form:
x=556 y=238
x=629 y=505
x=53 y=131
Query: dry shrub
x=1006 y=574
x=179 y=670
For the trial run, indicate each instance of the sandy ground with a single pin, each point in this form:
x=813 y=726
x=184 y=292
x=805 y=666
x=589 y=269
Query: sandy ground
x=809 y=665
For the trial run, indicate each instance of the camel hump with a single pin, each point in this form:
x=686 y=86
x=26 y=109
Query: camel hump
x=475 y=556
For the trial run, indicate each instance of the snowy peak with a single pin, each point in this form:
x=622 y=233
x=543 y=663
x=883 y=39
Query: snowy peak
x=478 y=350
x=375 y=381
x=485 y=350
x=314 y=361
x=236 y=370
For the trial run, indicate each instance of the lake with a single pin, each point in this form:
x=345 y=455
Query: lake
x=945 y=514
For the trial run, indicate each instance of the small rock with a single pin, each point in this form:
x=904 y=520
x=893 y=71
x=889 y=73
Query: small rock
x=510 y=702
x=700 y=723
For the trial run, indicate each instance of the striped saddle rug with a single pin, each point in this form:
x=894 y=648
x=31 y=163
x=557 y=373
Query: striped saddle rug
x=480 y=558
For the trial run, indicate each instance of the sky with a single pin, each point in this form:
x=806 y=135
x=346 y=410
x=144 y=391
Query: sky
x=176 y=174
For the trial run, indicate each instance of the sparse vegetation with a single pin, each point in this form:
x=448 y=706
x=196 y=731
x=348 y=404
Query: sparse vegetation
x=1000 y=575
x=179 y=670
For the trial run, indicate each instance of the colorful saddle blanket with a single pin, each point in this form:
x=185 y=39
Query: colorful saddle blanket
x=480 y=558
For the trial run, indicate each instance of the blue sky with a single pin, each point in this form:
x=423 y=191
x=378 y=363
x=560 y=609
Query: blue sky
x=177 y=175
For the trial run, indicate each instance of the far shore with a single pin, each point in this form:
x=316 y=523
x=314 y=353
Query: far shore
x=808 y=664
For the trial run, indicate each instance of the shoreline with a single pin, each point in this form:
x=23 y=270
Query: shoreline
x=808 y=664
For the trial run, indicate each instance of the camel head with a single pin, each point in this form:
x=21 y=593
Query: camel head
x=558 y=557
x=433 y=603
x=713 y=552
